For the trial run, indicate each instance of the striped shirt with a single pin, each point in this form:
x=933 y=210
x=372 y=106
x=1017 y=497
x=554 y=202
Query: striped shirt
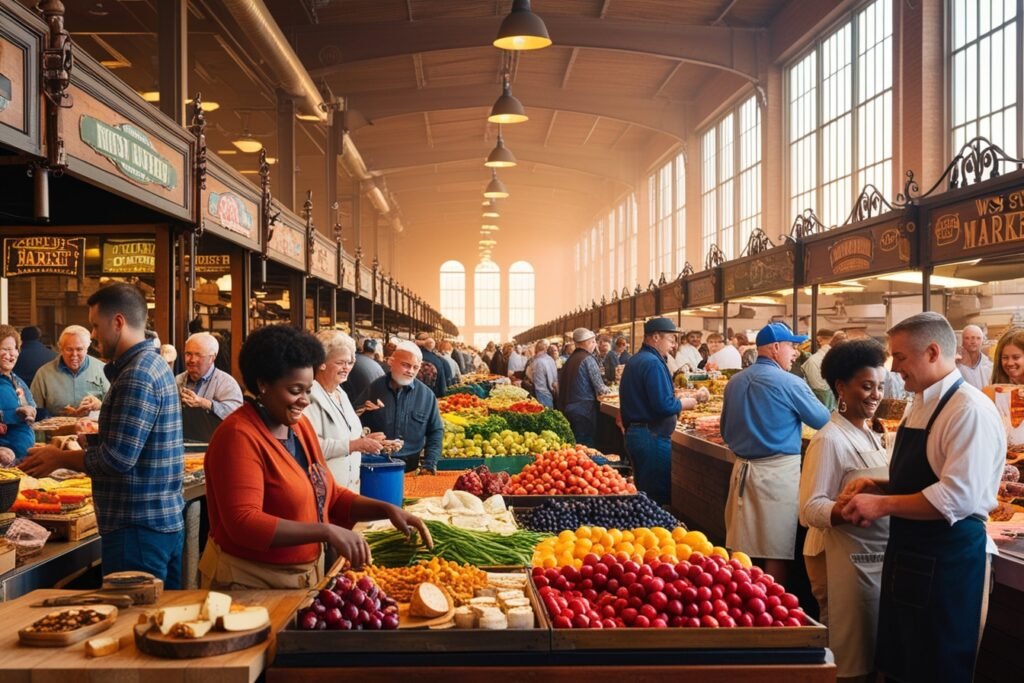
x=138 y=466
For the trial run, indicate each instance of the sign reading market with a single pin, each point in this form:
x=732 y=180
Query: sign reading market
x=991 y=223
x=129 y=149
x=43 y=255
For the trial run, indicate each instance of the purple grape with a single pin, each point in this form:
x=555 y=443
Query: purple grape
x=308 y=620
x=350 y=612
x=374 y=623
x=364 y=616
x=389 y=621
x=356 y=597
x=318 y=607
x=329 y=598
x=365 y=584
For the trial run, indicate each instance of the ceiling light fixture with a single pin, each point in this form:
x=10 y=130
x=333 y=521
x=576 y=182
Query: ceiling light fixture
x=913 y=277
x=151 y=95
x=507 y=109
x=522 y=29
x=226 y=152
x=495 y=189
x=247 y=143
x=206 y=106
x=490 y=209
x=489 y=226
x=501 y=156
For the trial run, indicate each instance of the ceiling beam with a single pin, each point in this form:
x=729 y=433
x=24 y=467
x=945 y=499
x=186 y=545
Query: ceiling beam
x=731 y=49
x=551 y=127
x=569 y=65
x=426 y=126
x=667 y=79
x=597 y=120
x=661 y=115
x=458 y=180
x=604 y=8
x=421 y=79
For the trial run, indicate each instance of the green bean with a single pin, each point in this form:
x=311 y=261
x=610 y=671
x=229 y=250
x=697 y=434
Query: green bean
x=480 y=548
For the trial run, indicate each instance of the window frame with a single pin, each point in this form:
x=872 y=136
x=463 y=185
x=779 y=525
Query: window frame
x=524 y=271
x=446 y=311
x=486 y=268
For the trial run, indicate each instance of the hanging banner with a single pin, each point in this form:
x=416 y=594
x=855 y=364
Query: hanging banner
x=43 y=255
x=129 y=257
x=130 y=149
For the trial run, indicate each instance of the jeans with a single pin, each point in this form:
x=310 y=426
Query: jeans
x=584 y=428
x=545 y=399
x=138 y=549
x=652 y=462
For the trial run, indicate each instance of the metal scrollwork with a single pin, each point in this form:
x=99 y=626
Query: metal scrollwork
x=687 y=270
x=267 y=216
x=625 y=293
x=806 y=224
x=307 y=213
x=615 y=296
x=869 y=203
x=757 y=243
x=638 y=289
x=604 y=301
x=714 y=258
x=198 y=129
x=910 y=189
x=977 y=159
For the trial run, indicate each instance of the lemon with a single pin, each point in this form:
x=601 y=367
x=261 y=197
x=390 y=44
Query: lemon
x=694 y=538
x=721 y=552
x=683 y=551
x=582 y=532
x=743 y=558
x=567 y=536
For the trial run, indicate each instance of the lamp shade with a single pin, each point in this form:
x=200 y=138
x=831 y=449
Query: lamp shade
x=247 y=144
x=495 y=189
x=490 y=209
x=489 y=227
x=501 y=156
x=507 y=109
x=522 y=29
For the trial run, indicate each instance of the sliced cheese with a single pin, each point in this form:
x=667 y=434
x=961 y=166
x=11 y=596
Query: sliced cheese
x=215 y=606
x=168 y=617
x=506 y=580
x=479 y=611
x=101 y=647
x=464 y=617
x=506 y=595
x=520 y=618
x=246 y=620
x=510 y=605
x=486 y=592
x=192 y=629
x=428 y=600
x=493 y=621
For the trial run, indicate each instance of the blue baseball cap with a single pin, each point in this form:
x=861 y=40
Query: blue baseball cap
x=777 y=332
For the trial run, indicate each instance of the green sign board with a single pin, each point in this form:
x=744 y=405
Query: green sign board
x=129 y=149
x=129 y=257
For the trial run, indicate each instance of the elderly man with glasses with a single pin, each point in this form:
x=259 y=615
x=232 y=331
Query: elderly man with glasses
x=202 y=385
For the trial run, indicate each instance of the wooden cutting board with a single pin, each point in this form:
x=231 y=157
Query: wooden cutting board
x=405 y=620
x=34 y=639
x=148 y=639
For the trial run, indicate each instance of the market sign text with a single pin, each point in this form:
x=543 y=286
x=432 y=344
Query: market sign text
x=129 y=149
x=983 y=224
x=229 y=209
x=43 y=255
x=129 y=256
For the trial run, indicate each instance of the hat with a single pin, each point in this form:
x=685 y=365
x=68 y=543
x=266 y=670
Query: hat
x=581 y=334
x=659 y=325
x=777 y=332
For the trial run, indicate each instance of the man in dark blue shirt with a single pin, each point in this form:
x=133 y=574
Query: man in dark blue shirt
x=33 y=355
x=404 y=408
x=444 y=372
x=649 y=408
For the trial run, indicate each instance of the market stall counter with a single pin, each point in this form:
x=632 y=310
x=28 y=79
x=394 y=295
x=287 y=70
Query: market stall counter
x=40 y=665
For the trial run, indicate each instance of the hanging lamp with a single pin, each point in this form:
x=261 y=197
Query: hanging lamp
x=507 y=109
x=495 y=189
x=501 y=156
x=522 y=29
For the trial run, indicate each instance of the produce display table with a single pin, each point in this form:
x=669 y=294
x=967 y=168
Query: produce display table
x=58 y=562
x=21 y=664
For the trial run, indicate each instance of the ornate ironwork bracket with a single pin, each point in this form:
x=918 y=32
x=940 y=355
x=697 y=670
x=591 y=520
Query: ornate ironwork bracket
x=714 y=258
x=758 y=242
x=804 y=225
x=57 y=62
x=267 y=216
x=307 y=213
x=976 y=159
x=198 y=129
x=687 y=269
x=662 y=281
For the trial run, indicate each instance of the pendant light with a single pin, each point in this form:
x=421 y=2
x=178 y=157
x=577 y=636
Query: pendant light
x=489 y=227
x=507 y=109
x=490 y=209
x=501 y=156
x=522 y=29
x=495 y=189
x=247 y=143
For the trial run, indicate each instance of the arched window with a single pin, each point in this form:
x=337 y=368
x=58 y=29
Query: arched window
x=487 y=294
x=453 y=292
x=521 y=296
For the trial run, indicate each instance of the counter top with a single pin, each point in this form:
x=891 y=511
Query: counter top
x=22 y=664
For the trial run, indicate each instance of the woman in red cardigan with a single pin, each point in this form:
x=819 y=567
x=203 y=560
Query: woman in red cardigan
x=272 y=501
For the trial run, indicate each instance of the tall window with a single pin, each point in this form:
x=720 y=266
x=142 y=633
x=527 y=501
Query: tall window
x=487 y=294
x=632 y=228
x=667 y=231
x=731 y=182
x=653 y=248
x=521 y=296
x=839 y=116
x=679 y=215
x=453 y=292
x=985 y=72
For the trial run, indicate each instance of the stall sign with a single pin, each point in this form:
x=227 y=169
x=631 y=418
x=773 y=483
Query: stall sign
x=645 y=304
x=870 y=250
x=230 y=211
x=366 y=283
x=324 y=264
x=610 y=314
x=768 y=271
x=211 y=264
x=348 y=276
x=129 y=256
x=670 y=297
x=43 y=255
x=702 y=289
x=992 y=223
x=130 y=149
x=288 y=242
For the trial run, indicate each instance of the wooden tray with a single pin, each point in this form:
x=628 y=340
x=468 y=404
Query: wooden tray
x=34 y=639
x=149 y=640
x=73 y=526
x=405 y=620
x=315 y=644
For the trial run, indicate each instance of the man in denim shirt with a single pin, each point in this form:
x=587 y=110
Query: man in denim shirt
x=404 y=408
x=138 y=463
x=72 y=383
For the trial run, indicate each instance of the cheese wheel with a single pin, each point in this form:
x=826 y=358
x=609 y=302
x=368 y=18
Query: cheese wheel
x=520 y=618
x=464 y=617
x=428 y=600
x=493 y=621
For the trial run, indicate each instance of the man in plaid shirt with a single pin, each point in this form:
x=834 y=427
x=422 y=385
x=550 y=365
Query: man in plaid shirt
x=137 y=466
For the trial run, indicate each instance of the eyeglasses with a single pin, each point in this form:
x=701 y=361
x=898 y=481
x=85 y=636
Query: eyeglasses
x=190 y=354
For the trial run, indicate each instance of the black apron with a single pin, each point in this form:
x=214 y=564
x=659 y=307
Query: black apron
x=932 y=580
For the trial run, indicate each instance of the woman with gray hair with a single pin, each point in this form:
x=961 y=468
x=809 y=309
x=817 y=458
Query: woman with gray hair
x=332 y=415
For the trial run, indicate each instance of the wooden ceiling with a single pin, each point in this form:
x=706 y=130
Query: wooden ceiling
x=611 y=95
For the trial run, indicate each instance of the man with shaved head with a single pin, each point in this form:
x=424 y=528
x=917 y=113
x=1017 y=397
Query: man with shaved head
x=973 y=364
x=202 y=385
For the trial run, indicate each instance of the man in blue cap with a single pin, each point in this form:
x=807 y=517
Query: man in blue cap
x=649 y=408
x=761 y=422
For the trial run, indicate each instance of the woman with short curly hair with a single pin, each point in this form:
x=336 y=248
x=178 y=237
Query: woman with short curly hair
x=272 y=500
x=17 y=408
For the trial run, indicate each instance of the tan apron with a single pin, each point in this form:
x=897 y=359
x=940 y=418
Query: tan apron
x=761 y=511
x=853 y=557
x=220 y=571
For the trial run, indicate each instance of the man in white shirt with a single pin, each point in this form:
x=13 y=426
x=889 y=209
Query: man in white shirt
x=974 y=365
x=723 y=356
x=942 y=483
x=688 y=353
x=812 y=369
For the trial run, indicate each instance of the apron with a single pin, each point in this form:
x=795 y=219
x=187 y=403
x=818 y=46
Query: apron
x=221 y=571
x=761 y=511
x=933 y=578
x=853 y=559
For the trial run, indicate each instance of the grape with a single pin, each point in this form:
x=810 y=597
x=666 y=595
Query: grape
x=563 y=513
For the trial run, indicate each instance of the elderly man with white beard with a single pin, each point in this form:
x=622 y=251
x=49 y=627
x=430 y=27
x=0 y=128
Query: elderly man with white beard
x=405 y=408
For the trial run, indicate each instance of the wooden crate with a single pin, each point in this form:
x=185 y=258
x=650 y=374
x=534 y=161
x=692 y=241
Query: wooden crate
x=8 y=556
x=69 y=527
x=295 y=645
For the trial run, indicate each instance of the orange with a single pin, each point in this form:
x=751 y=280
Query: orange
x=683 y=551
x=678 y=534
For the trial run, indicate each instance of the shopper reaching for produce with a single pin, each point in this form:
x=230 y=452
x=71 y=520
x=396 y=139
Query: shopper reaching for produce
x=272 y=500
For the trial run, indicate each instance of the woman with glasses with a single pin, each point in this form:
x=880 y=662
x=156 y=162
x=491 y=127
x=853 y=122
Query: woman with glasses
x=332 y=415
x=17 y=409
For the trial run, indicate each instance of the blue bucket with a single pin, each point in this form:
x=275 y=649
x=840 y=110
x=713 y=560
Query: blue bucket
x=382 y=479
